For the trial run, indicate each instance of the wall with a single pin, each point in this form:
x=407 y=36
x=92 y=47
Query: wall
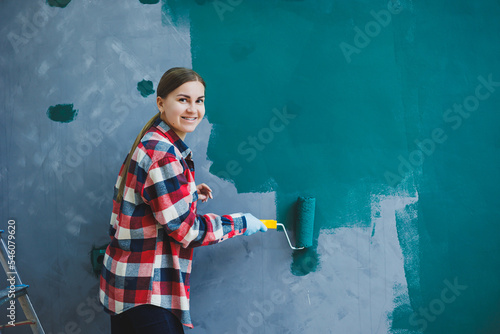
x=385 y=112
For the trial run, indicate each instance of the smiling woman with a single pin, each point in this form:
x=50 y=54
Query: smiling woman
x=154 y=224
x=184 y=108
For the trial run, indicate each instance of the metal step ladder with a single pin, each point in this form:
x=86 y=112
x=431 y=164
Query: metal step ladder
x=16 y=291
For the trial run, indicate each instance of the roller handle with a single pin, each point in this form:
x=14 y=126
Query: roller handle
x=273 y=224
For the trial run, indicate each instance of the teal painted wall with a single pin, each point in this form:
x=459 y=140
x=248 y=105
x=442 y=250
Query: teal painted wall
x=358 y=104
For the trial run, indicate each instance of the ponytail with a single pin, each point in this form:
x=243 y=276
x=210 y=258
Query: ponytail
x=121 y=189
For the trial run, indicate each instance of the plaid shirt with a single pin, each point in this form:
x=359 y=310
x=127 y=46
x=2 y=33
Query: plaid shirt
x=154 y=229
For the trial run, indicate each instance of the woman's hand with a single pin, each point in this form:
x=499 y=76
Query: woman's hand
x=204 y=192
x=254 y=225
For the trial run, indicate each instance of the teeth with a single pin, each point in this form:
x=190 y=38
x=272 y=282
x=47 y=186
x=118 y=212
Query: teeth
x=189 y=118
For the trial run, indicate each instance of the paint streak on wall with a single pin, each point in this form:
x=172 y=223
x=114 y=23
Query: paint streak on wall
x=58 y=3
x=63 y=113
x=145 y=87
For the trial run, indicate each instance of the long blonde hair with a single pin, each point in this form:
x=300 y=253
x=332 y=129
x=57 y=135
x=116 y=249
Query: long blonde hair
x=170 y=81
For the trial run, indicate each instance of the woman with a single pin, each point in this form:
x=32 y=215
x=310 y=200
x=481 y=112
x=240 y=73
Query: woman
x=154 y=225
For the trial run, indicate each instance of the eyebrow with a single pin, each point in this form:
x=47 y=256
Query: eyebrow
x=200 y=97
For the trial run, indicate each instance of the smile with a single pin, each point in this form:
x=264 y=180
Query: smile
x=189 y=118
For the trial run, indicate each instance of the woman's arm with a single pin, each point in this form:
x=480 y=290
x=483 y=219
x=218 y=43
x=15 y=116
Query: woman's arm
x=170 y=191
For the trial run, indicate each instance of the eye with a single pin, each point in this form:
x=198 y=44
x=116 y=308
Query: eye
x=200 y=101
x=182 y=99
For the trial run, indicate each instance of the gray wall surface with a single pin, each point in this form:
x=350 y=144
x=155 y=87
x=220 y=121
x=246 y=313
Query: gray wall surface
x=57 y=178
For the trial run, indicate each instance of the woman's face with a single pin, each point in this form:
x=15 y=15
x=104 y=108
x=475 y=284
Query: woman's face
x=184 y=108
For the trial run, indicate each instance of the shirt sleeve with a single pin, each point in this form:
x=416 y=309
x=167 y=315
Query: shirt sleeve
x=116 y=206
x=114 y=218
x=170 y=191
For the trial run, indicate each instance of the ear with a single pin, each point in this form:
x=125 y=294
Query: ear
x=159 y=103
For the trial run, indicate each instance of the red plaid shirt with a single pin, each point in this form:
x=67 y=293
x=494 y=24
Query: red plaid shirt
x=154 y=229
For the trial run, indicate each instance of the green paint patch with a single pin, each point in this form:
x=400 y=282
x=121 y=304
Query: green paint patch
x=63 y=113
x=324 y=127
x=145 y=87
x=58 y=3
x=304 y=262
x=401 y=315
x=149 y=2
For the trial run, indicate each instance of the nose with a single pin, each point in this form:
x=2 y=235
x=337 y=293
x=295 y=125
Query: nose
x=191 y=107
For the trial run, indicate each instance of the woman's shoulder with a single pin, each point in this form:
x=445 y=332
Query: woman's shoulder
x=156 y=146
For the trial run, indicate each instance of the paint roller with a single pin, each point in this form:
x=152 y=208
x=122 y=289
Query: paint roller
x=304 y=224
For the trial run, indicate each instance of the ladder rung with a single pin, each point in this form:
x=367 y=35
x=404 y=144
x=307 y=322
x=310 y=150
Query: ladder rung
x=26 y=322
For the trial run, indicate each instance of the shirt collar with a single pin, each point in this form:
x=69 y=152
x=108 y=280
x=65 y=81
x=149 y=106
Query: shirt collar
x=174 y=138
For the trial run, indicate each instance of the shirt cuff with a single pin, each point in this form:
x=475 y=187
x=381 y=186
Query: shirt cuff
x=240 y=223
